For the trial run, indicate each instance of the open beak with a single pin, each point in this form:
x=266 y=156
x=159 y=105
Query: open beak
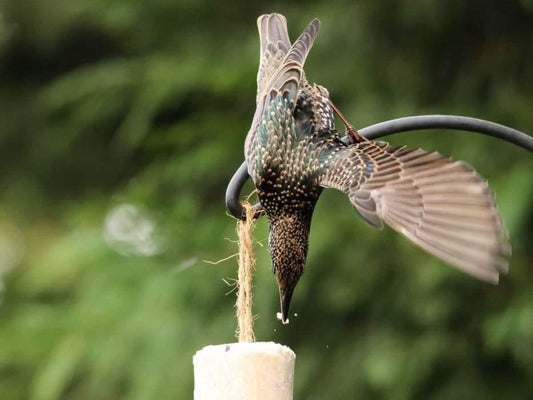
x=285 y=296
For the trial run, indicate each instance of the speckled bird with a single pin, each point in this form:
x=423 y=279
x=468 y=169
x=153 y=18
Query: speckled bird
x=293 y=151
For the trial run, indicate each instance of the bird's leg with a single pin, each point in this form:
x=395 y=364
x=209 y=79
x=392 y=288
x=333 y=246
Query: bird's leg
x=258 y=210
x=355 y=137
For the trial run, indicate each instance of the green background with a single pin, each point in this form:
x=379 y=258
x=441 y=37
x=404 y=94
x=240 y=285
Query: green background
x=121 y=123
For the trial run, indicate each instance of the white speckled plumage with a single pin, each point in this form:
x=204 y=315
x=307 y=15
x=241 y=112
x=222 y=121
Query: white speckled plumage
x=293 y=151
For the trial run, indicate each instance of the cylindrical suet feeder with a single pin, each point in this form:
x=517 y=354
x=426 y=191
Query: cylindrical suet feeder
x=244 y=371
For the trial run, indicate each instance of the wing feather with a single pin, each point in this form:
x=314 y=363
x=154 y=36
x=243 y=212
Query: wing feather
x=443 y=206
x=275 y=44
x=279 y=79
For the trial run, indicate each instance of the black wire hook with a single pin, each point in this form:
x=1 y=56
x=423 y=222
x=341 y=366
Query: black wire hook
x=381 y=129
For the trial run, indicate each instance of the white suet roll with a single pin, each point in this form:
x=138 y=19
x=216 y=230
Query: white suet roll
x=244 y=371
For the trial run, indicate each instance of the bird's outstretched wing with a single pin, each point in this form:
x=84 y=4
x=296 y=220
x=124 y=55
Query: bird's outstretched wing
x=275 y=78
x=443 y=206
x=281 y=65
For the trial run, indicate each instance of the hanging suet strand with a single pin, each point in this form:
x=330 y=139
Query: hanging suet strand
x=293 y=151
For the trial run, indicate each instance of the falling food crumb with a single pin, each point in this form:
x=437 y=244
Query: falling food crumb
x=295 y=314
x=275 y=329
x=327 y=346
x=278 y=316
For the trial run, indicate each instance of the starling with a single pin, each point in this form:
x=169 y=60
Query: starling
x=293 y=151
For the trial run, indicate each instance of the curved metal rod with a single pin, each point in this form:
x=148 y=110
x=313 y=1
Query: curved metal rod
x=396 y=126
x=448 y=122
x=233 y=191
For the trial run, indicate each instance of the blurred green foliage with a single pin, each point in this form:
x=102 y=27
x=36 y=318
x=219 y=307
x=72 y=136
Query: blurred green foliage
x=121 y=123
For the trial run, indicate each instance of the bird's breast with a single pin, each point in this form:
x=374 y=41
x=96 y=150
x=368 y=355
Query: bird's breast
x=284 y=190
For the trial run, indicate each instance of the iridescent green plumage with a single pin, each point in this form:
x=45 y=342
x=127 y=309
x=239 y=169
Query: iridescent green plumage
x=293 y=151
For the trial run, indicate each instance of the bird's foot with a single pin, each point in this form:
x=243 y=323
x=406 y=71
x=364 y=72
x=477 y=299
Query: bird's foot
x=258 y=210
x=353 y=135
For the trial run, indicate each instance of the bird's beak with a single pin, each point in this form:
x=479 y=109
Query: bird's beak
x=285 y=296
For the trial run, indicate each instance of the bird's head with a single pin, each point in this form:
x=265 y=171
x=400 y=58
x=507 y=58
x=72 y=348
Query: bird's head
x=288 y=242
